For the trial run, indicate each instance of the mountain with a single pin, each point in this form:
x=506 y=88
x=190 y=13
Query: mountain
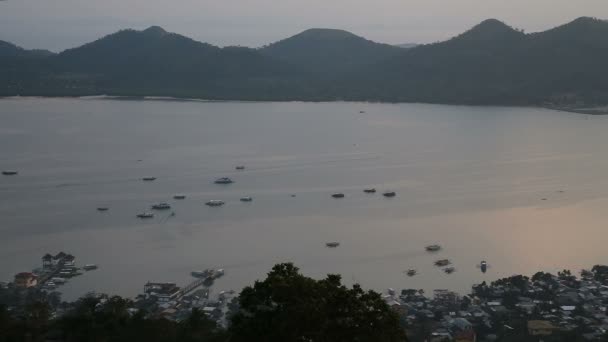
x=328 y=50
x=491 y=63
x=11 y=50
x=407 y=45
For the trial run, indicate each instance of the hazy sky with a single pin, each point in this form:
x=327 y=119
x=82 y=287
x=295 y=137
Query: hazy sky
x=60 y=24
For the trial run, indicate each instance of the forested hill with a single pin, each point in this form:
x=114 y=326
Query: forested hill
x=491 y=63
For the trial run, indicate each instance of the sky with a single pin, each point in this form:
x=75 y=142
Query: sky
x=60 y=24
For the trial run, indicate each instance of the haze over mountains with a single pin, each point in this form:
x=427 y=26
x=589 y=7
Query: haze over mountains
x=491 y=63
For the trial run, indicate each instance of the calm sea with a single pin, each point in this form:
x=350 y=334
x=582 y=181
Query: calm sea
x=525 y=189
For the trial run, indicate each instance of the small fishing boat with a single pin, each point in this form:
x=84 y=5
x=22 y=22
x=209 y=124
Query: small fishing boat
x=332 y=244
x=338 y=195
x=433 y=248
x=449 y=270
x=161 y=206
x=442 y=262
x=411 y=272
x=89 y=267
x=370 y=191
x=389 y=194
x=145 y=215
x=103 y=209
x=240 y=167
x=246 y=199
x=179 y=197
x=10 y=173
x=149 y=179
x=224 y=180
x=483 y=266
x=215 y=203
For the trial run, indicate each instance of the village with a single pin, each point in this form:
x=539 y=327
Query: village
x=545 y=307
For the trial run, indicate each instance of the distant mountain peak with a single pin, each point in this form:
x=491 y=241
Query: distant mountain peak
x=326 y=34
x=490 y=29
x=155 y=30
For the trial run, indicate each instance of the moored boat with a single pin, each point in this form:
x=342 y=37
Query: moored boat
x=148 y=179
x=89 y=267
x=179 y=197
x=338 y=195
x=240 y=167
x=332 y=244
x=483 y=266
x=389 y=194
x=103 y=209
x=246 y=199
x=223 y=180
x=442 y=262
x=161 y=206
x=200 y=274
x=370 y=191
x=215 y=203
x=10 y=173
x=145 y=215
x=411 y=272
x=433 y=248
x=449 y=270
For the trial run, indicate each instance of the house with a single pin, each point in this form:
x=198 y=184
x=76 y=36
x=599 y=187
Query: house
x=47 y=261
x=462 y=330
x=163 y=292
x=26 y=280
x=69 y=260
x=541 y=328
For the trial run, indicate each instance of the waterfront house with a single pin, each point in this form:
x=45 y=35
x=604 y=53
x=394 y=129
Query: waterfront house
x=163 y=292
x=26 y=280
x=47 y=261
x=541 y=328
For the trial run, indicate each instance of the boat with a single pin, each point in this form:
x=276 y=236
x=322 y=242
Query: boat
x=224 y=180
x=148 y=179
x=411 y=272
x=161 y=206
x=483 y=266
x=442 y=262
x=449 y=270
x=433 y=248
x=246 y=199
x=50 y=285
x=370 y=191
x=10 y=173
x=200 y=274
x=332 y=244
x=103 y=209
x=58 y=280
x=179 y=197
x=145 y=215
x=389 y=194
x=89 y=267
x=215 y=203
x=240 y=167
x=338 y=195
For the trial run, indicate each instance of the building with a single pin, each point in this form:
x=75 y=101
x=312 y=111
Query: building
x=26 y=280
x=163 y=292
x=47 y=261
x=541 y=328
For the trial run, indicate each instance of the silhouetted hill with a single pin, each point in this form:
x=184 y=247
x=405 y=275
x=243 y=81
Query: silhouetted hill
x=491 y=63
x=329 y=50
x=407 y=45
x=11 y=50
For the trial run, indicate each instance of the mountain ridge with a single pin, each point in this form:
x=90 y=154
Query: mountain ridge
x=491 y=63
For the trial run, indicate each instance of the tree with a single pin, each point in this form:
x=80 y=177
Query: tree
x=288 y=306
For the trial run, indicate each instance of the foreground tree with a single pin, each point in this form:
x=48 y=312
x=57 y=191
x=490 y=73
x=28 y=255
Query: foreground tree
x=288 y=306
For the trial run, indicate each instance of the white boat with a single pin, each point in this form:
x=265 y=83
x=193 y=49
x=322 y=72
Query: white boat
x=89 y=267
x=161 y=206
x=224 y=180
x=179 y=197
x=433 y=248
x=247 y=199
x=215 y=203
x=145 y=215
